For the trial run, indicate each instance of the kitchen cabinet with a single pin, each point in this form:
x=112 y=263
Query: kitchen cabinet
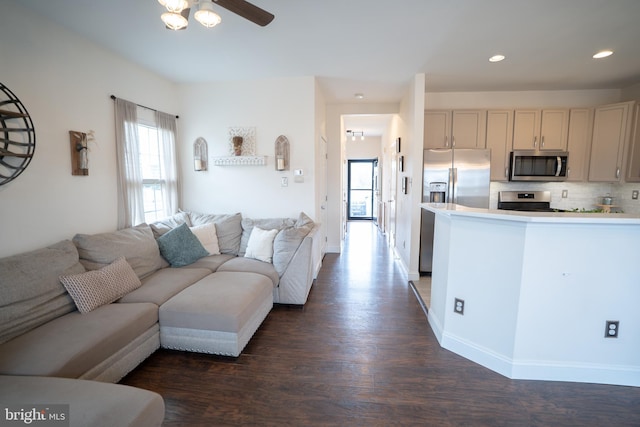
x=611 y=130
x=633 y=168
x=579 y=143
x=437 y=129
x=499 y=137
x=541 y=129
x=455 y=129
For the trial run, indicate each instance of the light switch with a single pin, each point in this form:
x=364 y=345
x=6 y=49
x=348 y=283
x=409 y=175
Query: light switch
x=284 y=181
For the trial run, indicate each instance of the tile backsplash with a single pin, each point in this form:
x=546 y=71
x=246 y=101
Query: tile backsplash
x=581 y=195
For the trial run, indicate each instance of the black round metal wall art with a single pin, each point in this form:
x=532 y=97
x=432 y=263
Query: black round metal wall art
x=17 y=136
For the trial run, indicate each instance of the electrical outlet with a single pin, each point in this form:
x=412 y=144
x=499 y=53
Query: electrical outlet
x=284 y=181
x=565 y=194
x=634 y=194
x=611 y=329
x=459 y=306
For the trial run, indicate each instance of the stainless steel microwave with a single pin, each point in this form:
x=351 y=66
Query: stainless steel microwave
x=538 y=166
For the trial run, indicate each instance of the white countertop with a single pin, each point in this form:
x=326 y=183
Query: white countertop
x=453 y=209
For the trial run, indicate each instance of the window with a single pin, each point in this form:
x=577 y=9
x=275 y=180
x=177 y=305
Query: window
x=147 y=171
x=153 y=179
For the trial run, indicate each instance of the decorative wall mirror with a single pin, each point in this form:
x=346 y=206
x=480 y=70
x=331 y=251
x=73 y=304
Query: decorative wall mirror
x=17 y=136
x=282 y=153
x=200 y=156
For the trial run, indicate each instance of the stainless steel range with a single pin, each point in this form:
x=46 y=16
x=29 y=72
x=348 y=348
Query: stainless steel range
x=530 y=201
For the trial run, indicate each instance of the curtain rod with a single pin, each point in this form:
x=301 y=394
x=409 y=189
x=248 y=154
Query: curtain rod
x=142 y=106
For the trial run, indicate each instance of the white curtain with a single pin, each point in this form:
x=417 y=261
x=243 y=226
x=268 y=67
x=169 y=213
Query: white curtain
x=130 y=198
x=167 y=131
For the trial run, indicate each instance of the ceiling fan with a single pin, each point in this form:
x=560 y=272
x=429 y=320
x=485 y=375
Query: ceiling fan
x=177 y=15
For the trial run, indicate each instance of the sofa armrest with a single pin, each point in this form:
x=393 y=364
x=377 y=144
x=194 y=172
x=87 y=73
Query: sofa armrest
x=296 y=281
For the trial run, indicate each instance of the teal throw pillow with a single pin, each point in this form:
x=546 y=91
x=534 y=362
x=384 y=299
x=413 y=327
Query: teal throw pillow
x=181 y=247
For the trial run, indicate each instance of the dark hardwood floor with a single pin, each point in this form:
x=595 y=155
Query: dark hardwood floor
x=361 y=353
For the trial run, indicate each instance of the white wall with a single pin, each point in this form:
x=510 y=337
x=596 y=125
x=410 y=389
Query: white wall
x=408 y=210
x=65 y=82
x=274 y=107
x=520 y=99
x=631 y=93
x=370 y=148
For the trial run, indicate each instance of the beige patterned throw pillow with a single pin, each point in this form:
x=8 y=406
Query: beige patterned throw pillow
x=94 y=288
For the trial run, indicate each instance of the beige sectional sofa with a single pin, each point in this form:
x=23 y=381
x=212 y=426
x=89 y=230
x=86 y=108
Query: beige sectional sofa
x=95 y=307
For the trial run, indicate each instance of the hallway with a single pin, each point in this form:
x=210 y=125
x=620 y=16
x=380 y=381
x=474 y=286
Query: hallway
x=361 y=353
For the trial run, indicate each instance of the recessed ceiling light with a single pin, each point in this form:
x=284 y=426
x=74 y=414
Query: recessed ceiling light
x=497 y=58
x=603 y=54
x=359 y=95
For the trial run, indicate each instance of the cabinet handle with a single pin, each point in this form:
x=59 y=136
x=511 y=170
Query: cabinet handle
x=542 y=142
x=568 y=172
x=535 y=141
x=506 y=171
x=617 y=173
x=446 y=141
x=453 y=141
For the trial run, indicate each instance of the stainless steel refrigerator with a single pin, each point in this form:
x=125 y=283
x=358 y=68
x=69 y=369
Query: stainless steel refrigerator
x=458 y=176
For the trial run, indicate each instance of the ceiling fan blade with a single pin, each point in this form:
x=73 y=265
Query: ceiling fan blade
x=247 y=10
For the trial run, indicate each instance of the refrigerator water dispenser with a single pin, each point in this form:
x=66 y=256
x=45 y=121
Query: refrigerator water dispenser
x=437 y=192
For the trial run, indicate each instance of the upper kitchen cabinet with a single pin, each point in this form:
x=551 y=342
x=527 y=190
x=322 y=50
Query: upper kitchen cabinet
x=633 y=168
x=437 y=129
x=579 y=143
x=455 y=129
x=499 y=136
x=611 y=129
x=540 y=129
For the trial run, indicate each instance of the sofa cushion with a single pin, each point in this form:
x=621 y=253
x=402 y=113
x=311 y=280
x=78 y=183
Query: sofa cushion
x=73 y=344
x=30 y=292
x=163 y=284
x=206 y=234
x=167 y=224
x=286 y=244
x=180 y=246
x=94 y=288
x=265 y=224
x=91 y=403
x=211 y=262
x=136 y=244
x=228 y=229
x=242 y=264
x=219 y=302
x=260 y=244
x=304 y=220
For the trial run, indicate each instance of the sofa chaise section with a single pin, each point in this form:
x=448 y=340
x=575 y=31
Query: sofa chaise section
x=104 y=344
x=91 y=403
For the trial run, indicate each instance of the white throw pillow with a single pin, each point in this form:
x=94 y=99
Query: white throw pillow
x=207 y=235
x=260 y=244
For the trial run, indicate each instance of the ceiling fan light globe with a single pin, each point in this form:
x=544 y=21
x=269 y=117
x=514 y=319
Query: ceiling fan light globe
x=206 y=16
x=174 y=6
x=174 y=21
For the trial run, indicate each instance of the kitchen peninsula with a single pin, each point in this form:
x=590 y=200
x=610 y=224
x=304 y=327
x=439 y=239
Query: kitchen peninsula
x=533 y=295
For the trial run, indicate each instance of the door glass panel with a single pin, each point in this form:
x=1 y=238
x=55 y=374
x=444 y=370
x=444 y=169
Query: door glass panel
x=361 y=189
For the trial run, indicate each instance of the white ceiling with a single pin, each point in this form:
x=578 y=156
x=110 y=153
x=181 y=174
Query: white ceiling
x=375 y=47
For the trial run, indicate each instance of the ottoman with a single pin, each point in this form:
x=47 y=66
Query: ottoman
x=218 y=314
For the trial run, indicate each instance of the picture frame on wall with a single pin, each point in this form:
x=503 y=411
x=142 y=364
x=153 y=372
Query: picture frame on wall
x=401 y=163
